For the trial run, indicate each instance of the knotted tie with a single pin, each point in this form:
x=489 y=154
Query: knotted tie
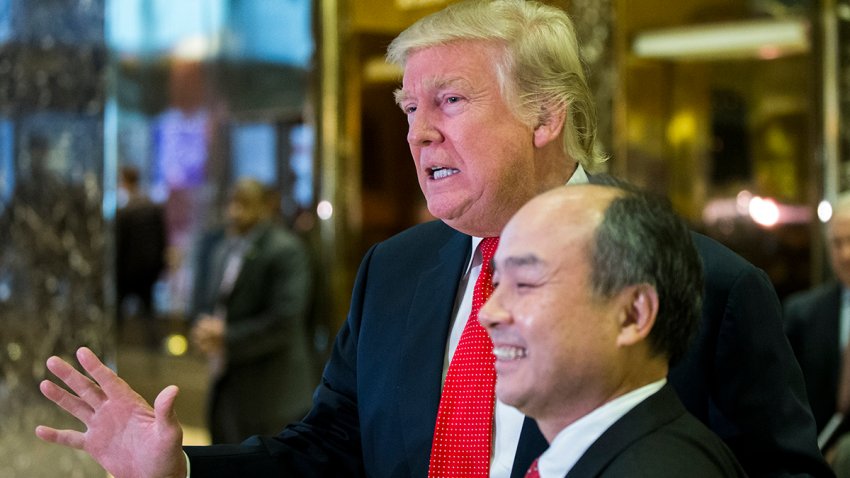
x=465 y=418
x=533 y=472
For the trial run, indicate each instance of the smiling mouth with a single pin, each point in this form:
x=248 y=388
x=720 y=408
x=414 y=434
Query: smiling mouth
x=505 y=352
x=440 y=173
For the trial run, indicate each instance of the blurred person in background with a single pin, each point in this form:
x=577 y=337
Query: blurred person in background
x=817 y=322
x=140 y=249
x=251 y=293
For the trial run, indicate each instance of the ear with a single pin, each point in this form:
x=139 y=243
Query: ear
x=550 y=127
x=638 y=312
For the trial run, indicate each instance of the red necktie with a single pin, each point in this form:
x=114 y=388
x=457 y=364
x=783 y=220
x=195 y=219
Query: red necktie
x=465 y=419
x=532 y=470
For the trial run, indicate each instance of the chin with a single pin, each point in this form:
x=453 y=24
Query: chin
x=508 y=396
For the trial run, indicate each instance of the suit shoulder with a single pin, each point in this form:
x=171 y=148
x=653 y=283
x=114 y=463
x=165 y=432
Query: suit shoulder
x=714 y=253
x=812 y=296
x=723 y=267
x=682 y=447
x=280 y=239
x=421 y=237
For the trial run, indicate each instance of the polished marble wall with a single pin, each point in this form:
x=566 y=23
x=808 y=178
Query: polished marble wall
x=53 y=236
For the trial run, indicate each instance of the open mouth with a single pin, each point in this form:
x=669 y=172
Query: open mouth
x=440 y=172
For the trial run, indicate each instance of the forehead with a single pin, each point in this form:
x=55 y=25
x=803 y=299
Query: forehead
x=456 y=63
x=549 y=238
x=559 y=223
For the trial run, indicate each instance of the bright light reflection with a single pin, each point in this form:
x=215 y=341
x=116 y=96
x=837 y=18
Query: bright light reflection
x=743 y=201
x=176 y=345
x=764 y=211
x=324 y=210
x=824 y=211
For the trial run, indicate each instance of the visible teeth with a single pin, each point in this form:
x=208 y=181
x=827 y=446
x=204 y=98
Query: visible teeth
x=509 y=353
x=441 y=173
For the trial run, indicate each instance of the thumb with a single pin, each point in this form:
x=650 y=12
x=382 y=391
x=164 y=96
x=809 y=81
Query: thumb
x=164 y=404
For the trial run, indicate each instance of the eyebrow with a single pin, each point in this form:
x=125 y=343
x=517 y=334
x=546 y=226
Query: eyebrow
x=519 y=262
x=401 y=95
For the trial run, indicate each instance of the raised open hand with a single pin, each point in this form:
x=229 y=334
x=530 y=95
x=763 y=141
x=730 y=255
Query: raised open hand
x=123 y=433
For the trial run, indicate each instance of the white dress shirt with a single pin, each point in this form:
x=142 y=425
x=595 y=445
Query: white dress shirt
x=508 y=420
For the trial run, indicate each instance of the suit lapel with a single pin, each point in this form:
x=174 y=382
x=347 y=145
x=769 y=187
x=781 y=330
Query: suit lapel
x=425 y=343
x=532 y=444
x=659 y=409
x=254 y=248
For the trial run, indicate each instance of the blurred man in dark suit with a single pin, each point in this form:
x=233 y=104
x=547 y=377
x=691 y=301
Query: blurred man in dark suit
x=140 y=248
x=817 y=322
x=252 y=289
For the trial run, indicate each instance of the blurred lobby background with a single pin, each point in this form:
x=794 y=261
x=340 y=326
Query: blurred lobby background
x=738 y=110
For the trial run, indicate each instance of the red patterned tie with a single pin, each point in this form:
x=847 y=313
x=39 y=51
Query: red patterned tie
x=465 y=419
x=533 y=472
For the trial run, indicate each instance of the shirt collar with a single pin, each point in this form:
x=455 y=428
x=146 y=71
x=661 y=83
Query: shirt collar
x=571 y=442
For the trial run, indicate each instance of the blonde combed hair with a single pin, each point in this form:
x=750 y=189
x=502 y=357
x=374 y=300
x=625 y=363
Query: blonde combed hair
x=540 y=72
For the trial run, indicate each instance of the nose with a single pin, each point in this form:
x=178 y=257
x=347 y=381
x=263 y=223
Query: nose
x=422 y=129
x=492 y=313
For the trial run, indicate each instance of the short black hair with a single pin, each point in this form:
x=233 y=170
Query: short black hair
x=642 y=240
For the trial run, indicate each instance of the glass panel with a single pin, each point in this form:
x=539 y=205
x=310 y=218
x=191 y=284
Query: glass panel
x=53 y=240
x=205 y=92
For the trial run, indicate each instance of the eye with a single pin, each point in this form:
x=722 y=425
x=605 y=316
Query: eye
x=453 y=99
x=408 y=109
x=494 y=280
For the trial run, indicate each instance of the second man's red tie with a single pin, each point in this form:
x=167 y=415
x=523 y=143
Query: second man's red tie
x=463 y=433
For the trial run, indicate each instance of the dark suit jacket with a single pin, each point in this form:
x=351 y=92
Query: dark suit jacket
x=812 y=323
x=375 y=410
x=268 y=378
x=658 y=438
x=140 y=243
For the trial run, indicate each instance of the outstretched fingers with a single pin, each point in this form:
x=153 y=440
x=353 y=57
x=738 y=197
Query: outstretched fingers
x=79 y=383
x=72 y=404
x=109 y=382
x=71 y=438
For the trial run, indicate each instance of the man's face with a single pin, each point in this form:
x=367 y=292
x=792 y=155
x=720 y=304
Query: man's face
x=839 y=245
x=474 y=158
x=244 y=212
x=553 y=339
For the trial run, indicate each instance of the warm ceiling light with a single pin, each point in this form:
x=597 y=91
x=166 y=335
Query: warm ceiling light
x=764 y=39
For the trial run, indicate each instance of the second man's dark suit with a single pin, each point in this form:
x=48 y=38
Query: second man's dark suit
x=629 y=448
x=375 y=410
x=812 y=323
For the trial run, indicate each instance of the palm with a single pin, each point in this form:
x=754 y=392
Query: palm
x=128 y=437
